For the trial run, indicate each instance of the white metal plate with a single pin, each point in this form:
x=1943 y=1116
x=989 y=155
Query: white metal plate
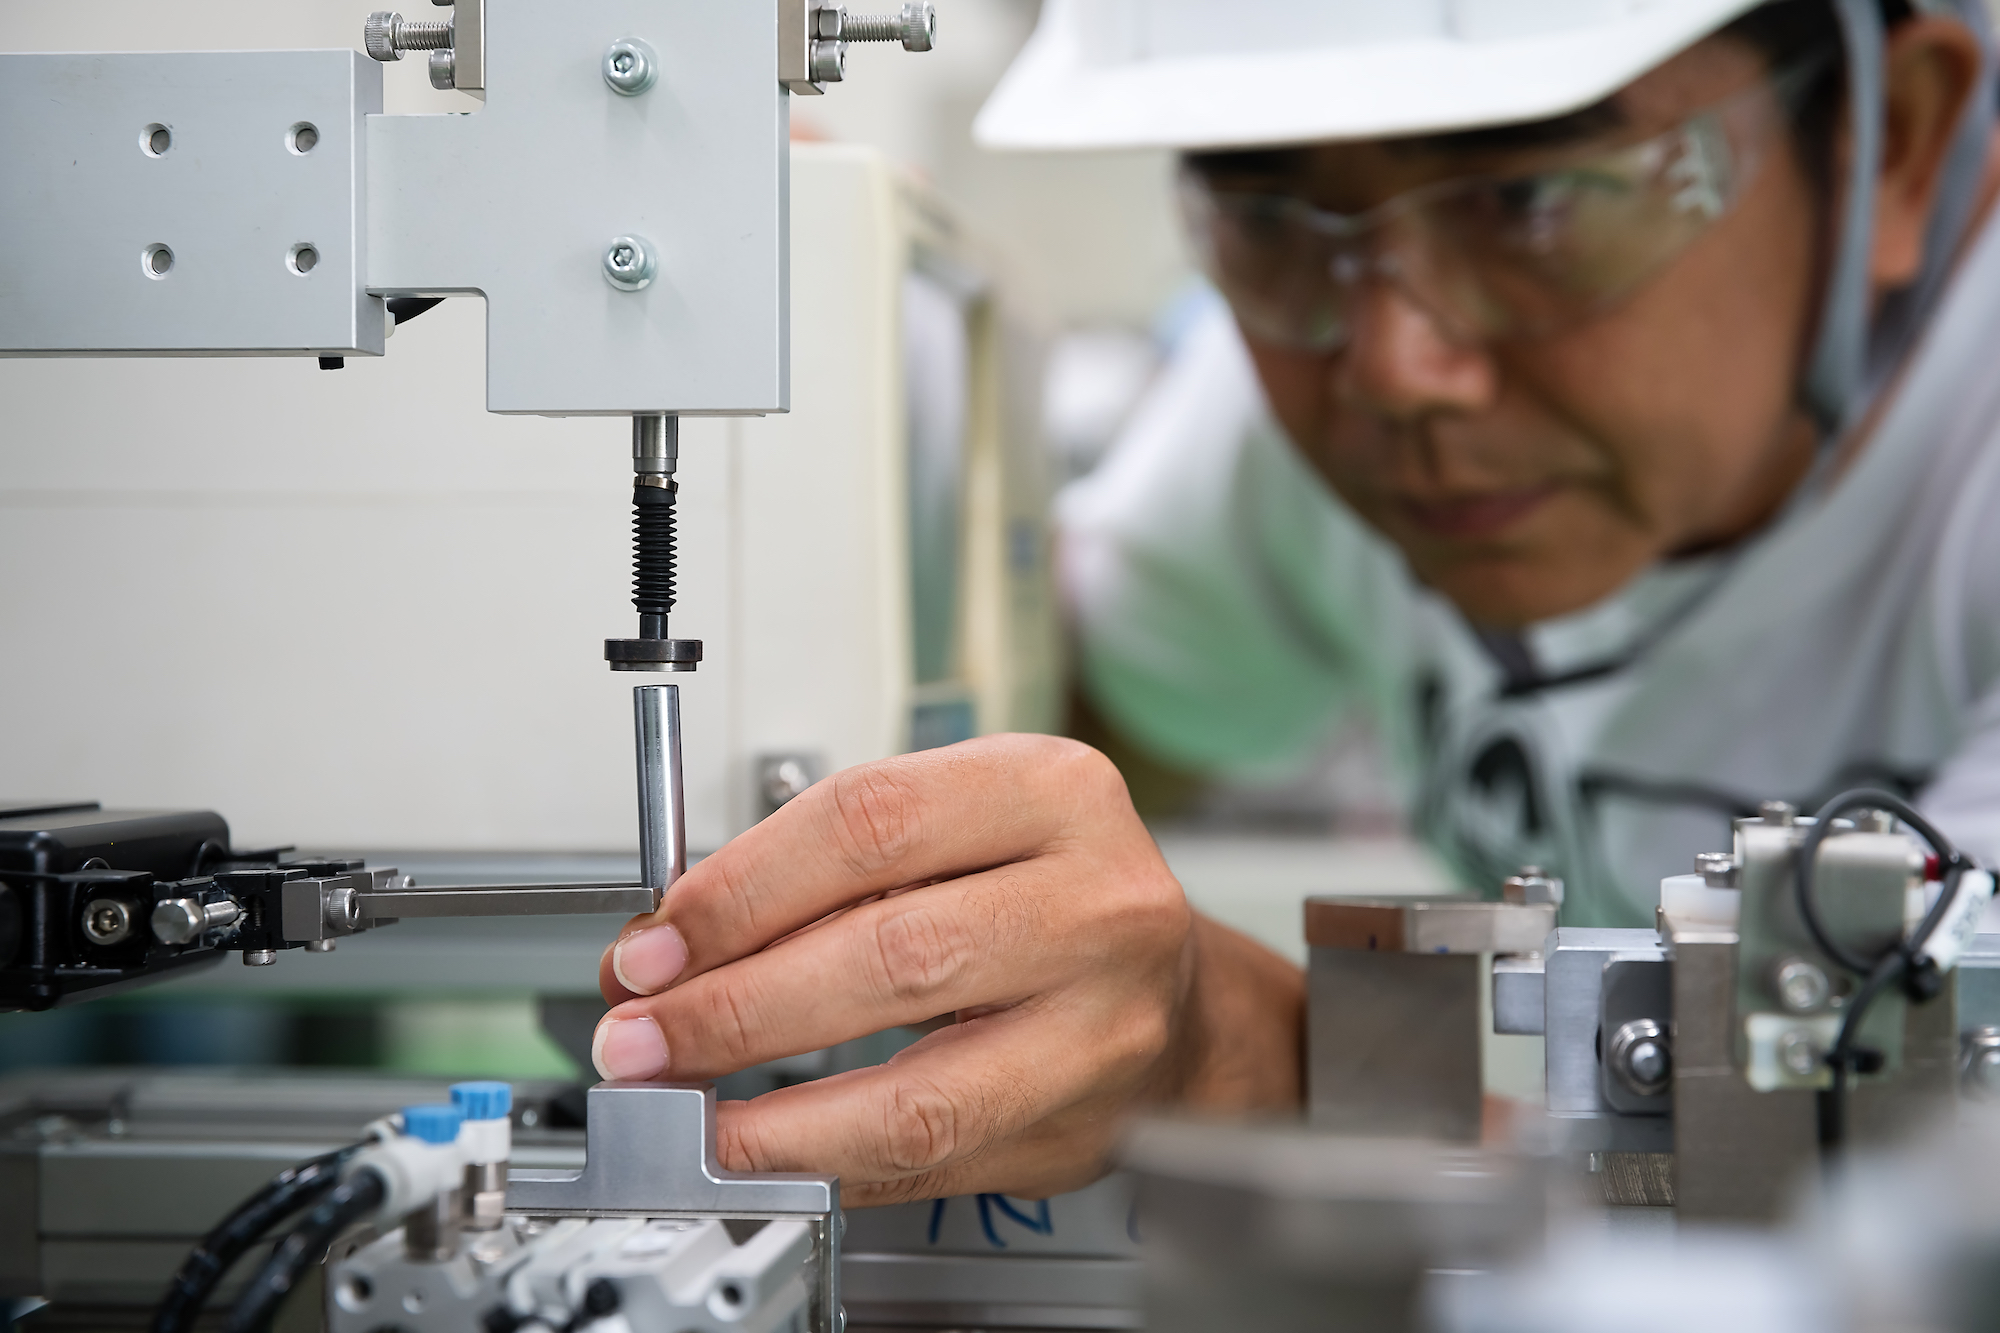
x=517 y=201
x=85 y=200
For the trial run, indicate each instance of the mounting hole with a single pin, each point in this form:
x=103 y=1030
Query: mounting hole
x=353 y=1293
x=302 y=138
x=726 y=1302
x=157 y=260
x=303 y=259
x=155 y=140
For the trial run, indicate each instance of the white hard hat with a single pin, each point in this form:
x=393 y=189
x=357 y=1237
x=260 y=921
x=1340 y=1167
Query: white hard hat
x=1235 y=73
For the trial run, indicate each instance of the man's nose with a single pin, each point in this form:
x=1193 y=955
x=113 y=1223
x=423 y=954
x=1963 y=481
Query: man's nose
x=1401 y=363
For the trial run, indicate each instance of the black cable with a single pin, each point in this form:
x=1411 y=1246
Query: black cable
x=358 y=1196
x=1896 y=965
x=286 y=1193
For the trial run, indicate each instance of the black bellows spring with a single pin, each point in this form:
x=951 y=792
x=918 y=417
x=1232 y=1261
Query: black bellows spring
x=653 y=556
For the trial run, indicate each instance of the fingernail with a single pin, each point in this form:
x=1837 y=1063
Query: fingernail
x=646 y=960
x=629 y=1048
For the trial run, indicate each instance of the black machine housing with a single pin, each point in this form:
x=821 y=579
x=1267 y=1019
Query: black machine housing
x=79 y=885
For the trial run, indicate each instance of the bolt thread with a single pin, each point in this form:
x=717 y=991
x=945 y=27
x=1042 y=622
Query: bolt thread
x=872 y=28
x=653 y=550
x=429 y=35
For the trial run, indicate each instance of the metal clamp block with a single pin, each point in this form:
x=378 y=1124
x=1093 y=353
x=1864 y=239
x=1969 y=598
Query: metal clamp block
x=650 y=1151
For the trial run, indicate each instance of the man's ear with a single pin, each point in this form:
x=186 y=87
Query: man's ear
x=1931 y=68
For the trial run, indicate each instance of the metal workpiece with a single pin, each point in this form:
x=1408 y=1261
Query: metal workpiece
x=631 y=66
x=1393 y=1024
x=1278 y=1228
x=662 y=792
x=190 y=185
x=650 y=1151
x=1428 y=925
x=1393 y=1044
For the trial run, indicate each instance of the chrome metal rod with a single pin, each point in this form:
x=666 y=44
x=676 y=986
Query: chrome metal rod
x=662 y=798
x=504 y=900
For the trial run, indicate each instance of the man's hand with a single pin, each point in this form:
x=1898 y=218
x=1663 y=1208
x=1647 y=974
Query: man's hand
x=1006 y=882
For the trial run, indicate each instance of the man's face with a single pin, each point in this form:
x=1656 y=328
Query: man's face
x=1530 y=477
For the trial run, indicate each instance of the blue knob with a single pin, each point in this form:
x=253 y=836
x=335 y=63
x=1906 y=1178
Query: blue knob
x=483 y=1101
x=432 y=1124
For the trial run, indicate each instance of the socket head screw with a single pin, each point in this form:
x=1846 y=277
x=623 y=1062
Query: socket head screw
x=919 y=26
x=107 y=921
x=378 y=35
x=631 y=66
x=342 y=908
x=1799 y=1054
x=259 y=957
x=1802 y=986
x=630 y=263
x=1717 y=869
x=829 y=62
x=444 y=70
x=1782 y=813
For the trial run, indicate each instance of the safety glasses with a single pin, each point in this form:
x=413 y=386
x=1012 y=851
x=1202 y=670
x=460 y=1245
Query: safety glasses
x=1490 y=257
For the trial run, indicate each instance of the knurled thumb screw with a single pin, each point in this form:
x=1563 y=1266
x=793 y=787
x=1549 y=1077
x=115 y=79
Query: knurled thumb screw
x=386 y=35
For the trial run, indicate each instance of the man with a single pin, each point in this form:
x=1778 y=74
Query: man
x=1631 y=370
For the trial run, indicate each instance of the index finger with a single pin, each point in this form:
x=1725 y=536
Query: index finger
x=933 y=815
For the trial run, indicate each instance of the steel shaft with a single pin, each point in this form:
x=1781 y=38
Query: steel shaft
x=662 y=797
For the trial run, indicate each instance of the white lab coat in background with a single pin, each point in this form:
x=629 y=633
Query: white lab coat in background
x=1231 y=610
